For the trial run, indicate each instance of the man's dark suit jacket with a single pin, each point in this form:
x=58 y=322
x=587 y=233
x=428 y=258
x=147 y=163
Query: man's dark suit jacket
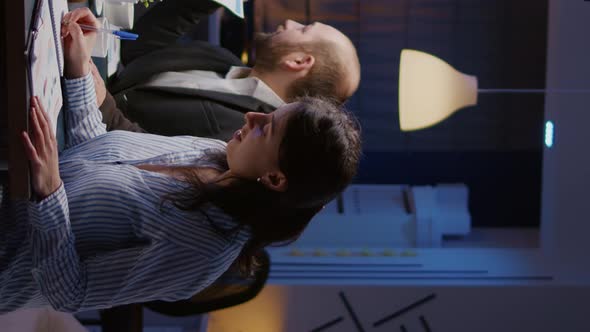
x=165 y=112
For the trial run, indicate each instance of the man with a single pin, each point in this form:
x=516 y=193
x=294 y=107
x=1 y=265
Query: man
x=203 y=90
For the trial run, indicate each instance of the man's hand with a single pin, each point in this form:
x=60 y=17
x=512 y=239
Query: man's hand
x=42 y=152
x=99 y=87
x=78 y=44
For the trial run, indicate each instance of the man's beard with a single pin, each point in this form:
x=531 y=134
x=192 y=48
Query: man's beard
x=268 y=54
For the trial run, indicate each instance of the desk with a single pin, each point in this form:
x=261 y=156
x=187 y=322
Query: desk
x=13 y=83
x=14 y=98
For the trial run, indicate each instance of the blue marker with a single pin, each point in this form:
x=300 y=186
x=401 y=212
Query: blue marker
x=121 y=34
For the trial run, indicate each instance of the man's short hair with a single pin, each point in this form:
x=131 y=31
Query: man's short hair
x=324 y=79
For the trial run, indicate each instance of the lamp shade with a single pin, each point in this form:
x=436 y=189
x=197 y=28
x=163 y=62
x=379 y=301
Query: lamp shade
x=430 y=90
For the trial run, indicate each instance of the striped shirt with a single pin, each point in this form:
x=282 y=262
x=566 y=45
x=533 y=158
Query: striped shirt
x=106 y=237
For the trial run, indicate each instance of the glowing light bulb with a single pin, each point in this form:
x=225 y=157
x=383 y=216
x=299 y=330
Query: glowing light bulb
x=549 y=132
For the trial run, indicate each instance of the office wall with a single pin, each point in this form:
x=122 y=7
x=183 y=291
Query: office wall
x=502 y=42
x=495 y=147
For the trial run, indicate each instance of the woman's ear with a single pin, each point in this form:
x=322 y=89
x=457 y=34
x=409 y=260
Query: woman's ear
x=275 y=181
x=299 y=61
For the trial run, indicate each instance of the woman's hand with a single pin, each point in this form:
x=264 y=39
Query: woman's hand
x=42 y=152
x=78 y=43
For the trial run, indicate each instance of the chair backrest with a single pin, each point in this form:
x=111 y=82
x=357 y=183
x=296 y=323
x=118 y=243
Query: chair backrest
x=229 y=290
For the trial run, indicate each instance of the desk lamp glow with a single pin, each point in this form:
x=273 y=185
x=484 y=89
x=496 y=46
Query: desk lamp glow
x=430 y=90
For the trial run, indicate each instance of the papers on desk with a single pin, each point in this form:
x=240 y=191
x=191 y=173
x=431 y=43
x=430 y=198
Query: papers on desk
x=57 y=9
x=235 y=6
x=45 y=56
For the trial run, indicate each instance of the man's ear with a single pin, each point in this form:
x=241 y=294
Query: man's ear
x=276 y=181
x=299 y=61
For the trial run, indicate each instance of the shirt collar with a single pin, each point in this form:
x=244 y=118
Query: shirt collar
x=262 y=91
x=238 y=72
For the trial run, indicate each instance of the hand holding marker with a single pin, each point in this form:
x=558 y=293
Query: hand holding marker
x=120 y=34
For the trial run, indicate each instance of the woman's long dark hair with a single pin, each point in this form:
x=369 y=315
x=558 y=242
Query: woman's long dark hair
x=319 y=156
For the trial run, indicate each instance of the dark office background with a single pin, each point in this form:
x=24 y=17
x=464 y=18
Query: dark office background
x=496 y=147
x=3 y=120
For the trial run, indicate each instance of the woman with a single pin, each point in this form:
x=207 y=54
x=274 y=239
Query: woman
x=127 y=217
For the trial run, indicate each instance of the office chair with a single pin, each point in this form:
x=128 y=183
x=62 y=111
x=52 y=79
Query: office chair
x=229 y=290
